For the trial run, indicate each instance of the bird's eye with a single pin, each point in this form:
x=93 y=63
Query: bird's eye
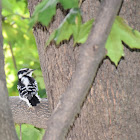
x=22 y=72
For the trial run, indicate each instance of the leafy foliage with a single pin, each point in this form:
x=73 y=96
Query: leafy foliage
x=19 y=44
x=44 y=12
x=46 y=9
x=121 y=32
x=72 y=25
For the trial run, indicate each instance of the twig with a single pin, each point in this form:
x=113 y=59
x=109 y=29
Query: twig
x=20 y=131
x=15 y=14
x=13 y=57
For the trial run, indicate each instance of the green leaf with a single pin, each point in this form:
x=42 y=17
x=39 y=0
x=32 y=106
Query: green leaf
x=65 y=30
x=7 y=5
x=29 y=132
x=44 y=12
x=114 y=48
x=130 y=36
x=67 y=4
x=83 y=32
x=121 y=32
x=46 y=9
x=72 y=25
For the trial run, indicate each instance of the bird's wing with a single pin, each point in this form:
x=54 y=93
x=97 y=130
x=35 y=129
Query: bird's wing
x=33 y=88
x=22 y=91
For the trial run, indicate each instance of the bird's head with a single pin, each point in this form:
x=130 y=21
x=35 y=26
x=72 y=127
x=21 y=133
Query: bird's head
x=25 y=72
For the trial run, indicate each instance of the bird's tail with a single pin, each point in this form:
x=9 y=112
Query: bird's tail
x=34 y=100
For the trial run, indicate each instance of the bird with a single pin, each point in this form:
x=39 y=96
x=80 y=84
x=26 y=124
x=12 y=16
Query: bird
x=27 y=87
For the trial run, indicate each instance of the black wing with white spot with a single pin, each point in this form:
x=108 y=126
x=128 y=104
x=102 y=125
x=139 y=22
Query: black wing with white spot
x=33 y=88
x=22 y=90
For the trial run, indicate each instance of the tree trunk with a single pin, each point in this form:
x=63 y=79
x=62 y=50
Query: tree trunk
x=7 y=129
x=111 y=109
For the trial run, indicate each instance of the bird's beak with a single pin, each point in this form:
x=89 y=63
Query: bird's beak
x=32 y=70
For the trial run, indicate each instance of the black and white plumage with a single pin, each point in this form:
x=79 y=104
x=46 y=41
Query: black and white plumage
x=27 y=87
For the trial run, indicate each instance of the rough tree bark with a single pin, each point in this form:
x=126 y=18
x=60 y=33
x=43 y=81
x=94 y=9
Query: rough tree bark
x=7 y=129
x=112 y=108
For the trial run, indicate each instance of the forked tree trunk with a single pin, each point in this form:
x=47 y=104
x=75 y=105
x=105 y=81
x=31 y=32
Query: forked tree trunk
x=112 y=107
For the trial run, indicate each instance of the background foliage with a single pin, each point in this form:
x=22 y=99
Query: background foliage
x=20 y=51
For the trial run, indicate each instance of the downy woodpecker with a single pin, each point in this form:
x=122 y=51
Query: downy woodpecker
x=27 y=87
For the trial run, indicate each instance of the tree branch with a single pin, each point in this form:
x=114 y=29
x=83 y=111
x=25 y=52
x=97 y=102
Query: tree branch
x=13 y=57
x=91 y=55
x=36 y=116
